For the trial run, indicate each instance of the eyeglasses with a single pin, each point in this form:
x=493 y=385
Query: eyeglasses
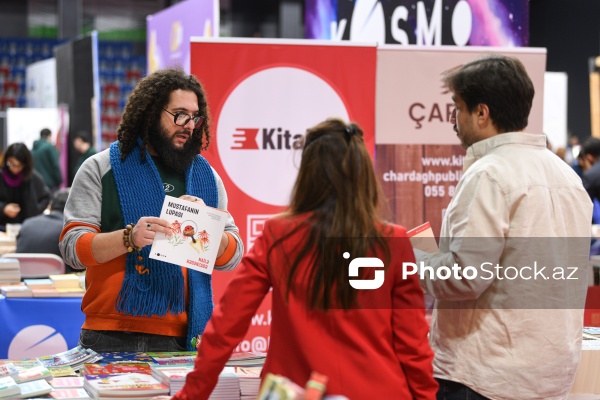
x=181 y=119
x=14 y=165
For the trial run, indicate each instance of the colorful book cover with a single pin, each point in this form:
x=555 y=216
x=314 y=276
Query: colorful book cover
x=196 y=235
x=168 y=373
x=67 y=382
x=58 y=371
x=133 y=384
x=8 y=369
x=23 y=363
x=118 y=368
x=169 y=358
x=34 y=373
x=76 y=355
x=34 y=388
x=72 y=394
x=124 y=357
x=8 y=387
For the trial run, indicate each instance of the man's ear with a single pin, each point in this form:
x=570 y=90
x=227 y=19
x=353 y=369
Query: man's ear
x=482 y=111
x=590 y=158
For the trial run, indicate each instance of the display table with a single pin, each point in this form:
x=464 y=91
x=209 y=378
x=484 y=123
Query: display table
x=34 y=327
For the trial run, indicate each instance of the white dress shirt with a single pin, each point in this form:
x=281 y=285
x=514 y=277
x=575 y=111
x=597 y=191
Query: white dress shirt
x=511 y=332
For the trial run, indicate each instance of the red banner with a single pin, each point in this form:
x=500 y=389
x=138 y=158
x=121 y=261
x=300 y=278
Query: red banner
x=263 y=95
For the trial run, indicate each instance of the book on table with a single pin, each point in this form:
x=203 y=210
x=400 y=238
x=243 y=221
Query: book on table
x=39 y=283
x=127 y=357
x=8 y=369
x=16 y=290
x=34 y=373
x=196 y=235
x=74 y=357
x=172 y=375
x=173 y=358
x=8 y=387
x=67 y=382
x=39 y=387
x=72 y=394
x=59 y=371
x=246 y=358
x=65 y=281
x=124 y=385
x=118 y=368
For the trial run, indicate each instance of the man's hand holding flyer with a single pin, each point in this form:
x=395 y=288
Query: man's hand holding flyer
x=196 y=235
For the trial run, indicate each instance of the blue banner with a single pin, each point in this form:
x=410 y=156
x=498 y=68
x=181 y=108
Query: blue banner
x=38 y=327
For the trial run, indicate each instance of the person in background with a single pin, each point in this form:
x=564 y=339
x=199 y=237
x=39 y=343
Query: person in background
x=23 y=193
x=371 y=344
x=133 y=302
x=495 y=334
x=40 y=234
x=591 y=168
x=45 y=160
x=83 y=144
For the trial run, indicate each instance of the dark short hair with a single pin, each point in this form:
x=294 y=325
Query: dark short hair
x=83 y=135
x=59 y=199
x=21 y=153
x=44 y=133
x=591 y=146
x=498 y=81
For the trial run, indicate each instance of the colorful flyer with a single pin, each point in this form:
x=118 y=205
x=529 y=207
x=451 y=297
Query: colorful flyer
x=196 y=235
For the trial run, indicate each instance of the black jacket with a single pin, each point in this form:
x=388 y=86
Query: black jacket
x=32 y=195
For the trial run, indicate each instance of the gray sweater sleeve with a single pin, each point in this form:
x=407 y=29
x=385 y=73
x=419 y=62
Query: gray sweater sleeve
x=84 y=208
x=84 y=205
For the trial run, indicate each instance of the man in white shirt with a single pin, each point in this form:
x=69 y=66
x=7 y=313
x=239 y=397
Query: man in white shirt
x=515 y=237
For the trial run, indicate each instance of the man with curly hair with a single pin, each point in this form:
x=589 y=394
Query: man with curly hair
x=132 y=302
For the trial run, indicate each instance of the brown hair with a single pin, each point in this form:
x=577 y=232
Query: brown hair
x=337 y=186
x=500 y=82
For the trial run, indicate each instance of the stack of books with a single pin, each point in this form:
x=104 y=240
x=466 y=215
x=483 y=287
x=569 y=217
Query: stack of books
x=172 y=375
x=8 y=369
x=41 y=287
x=228 y=385
x=246 y=359
x=68 y=388
x=8 y=387
x=10 y=271
x=75 y=358
x=15 y=290
x=35 y=388
x=249 y=382
x=124 y=386
x=67 y=285
x=120 y=368
x=173 y=358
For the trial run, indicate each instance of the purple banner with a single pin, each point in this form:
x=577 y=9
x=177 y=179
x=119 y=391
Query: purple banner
x=502 y=23
x=169 y=32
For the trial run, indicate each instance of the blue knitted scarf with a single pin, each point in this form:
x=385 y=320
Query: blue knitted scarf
x=160 y=291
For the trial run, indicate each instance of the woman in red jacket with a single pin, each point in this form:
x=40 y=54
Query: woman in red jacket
x=370 y=343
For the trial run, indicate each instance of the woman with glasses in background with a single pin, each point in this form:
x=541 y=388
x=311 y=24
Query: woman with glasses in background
x=23 y=193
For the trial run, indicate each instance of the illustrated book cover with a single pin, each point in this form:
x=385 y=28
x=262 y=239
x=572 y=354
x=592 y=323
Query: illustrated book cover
x=196 y=235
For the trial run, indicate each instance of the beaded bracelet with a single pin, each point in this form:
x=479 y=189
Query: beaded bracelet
x=128 y=240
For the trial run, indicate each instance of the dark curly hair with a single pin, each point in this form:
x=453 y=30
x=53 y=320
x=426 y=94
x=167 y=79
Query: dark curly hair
x=146 y=102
